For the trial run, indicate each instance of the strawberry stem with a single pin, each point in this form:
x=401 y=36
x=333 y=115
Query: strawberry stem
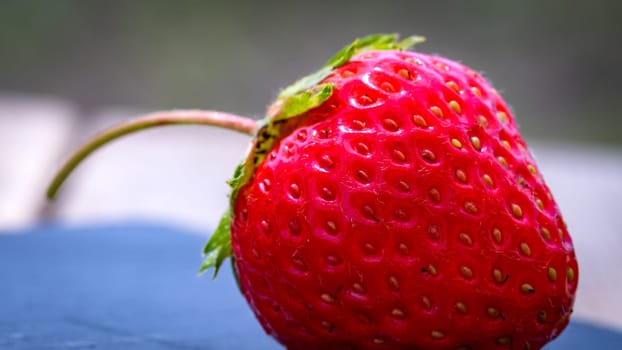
x=198 y=117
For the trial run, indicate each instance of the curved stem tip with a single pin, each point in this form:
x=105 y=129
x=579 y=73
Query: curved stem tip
x=212 y=118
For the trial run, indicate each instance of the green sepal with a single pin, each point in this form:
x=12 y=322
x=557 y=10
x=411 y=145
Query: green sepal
x=218 y=248
x=303 y=101
x=272 y=128
x=295 y=100
x=368 y=43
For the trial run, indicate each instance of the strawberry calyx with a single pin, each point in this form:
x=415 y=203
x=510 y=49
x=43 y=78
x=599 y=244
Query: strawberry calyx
x=282 y=117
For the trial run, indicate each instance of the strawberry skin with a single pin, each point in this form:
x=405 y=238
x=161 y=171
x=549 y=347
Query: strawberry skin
x=404 y=213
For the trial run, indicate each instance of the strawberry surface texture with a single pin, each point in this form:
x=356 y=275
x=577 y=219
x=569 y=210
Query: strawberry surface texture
x=387 y=201
x=403 y=212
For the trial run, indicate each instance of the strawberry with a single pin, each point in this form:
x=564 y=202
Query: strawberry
x=388 y=201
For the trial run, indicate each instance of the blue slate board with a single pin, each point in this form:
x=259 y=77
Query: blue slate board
x=135 y=286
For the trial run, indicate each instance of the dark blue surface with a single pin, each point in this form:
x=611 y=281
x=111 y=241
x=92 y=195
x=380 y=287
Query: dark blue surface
x=136 y=287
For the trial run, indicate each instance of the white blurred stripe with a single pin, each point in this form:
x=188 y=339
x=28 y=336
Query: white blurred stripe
x=33 y=132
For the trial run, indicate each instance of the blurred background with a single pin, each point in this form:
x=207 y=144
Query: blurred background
x=69 y=68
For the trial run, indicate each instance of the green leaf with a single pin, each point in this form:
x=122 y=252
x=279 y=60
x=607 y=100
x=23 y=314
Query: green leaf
x=306 y=82
x=237 y=179
x=295 y=100
x=218 y=248
x=304 y=101
x=368 y=43
x=410 y=41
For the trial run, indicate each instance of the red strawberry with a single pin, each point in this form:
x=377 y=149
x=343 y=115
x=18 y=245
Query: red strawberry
x=389 y=202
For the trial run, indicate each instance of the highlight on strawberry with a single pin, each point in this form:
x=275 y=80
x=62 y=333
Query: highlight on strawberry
x=388 y=201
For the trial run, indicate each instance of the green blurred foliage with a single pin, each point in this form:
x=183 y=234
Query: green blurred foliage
x=556 y=62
